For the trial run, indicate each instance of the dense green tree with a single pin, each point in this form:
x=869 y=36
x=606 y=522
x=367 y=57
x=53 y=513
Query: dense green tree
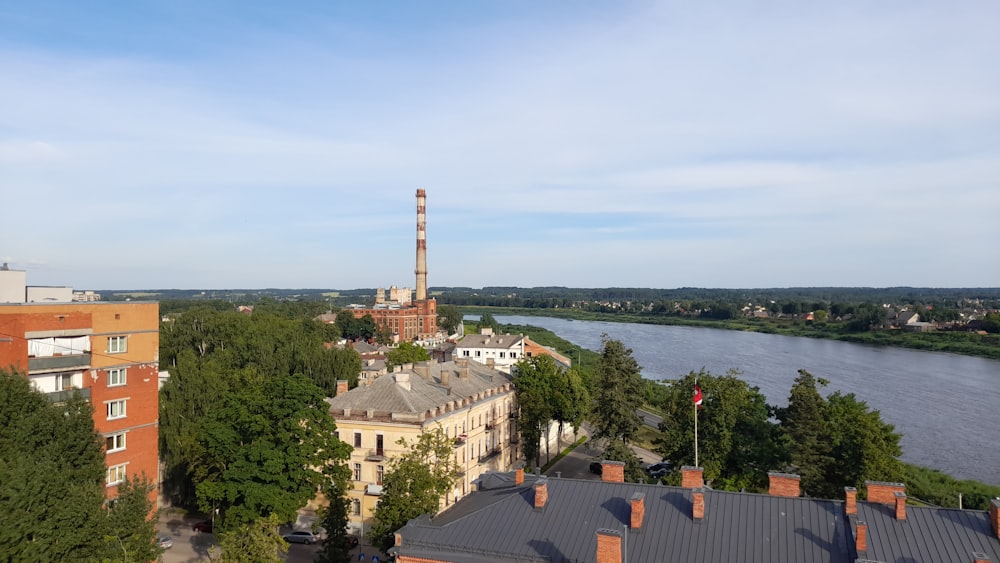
x=267 y=449
x=406 y=353
x=534 y=381
x=414 y=484
x=51 y=476
x=991 y=323
x=335 y=548
x=487 y=321
x=256 y=541
x=863 y=446
x=866 y=317
x=333 y=365
x=618 y=393
x=188 y=397
x=449 y=317
x=356 y=329
x=805 y=425
x=738 y=444
x=570 y=399
x=130 y=528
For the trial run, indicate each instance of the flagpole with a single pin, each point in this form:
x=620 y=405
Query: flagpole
x=696 y=426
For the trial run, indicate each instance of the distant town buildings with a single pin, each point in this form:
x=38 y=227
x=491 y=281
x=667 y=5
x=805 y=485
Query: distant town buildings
x=102 y=351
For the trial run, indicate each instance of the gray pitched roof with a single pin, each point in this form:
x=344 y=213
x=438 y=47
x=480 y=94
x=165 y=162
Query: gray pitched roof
x=941 y=535
x=389 y=395
x=497 y=341
x=503 y=525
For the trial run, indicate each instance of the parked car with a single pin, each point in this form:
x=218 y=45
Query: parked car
x=301 y=537
x=351 y=540
x=658 y=470
x=596 y=467
x=166 y=542
x=203 y=526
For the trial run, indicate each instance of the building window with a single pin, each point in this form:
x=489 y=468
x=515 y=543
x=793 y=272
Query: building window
x=357 y=439
x=357 y=471
x=356 y=506
x=115 y=442
x=501 y=354
x=465 y=353
x=116 y=377
x=64 y=381
x=116 y=474
x=479 y=353
x=379 y=471
x=513 y=355
x=336 y=434
x=116 y=344
x=116 y=409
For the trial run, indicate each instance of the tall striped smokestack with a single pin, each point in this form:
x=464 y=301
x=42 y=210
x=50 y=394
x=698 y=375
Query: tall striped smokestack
x=421 y=270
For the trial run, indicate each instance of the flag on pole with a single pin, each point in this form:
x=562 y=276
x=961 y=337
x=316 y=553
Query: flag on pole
x=697 y=396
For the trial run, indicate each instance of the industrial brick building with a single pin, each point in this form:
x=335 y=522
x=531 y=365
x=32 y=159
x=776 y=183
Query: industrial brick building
x=107 y=352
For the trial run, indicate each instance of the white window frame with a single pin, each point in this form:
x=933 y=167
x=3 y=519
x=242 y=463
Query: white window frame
x=117 y=377
x=356 y=507
x=61 y=379
x=117 y=344
x=115 y=413
x=116 y=474
x=357 y=472
x=118 y=442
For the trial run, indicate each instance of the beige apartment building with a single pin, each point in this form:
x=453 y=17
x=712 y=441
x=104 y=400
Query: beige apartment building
x=472 y=403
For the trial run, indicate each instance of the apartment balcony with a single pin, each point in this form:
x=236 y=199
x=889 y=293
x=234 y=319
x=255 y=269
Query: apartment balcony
x=377 y=454
x=489 y=455
x=58 y=363
x=491 y=425
x=515 y=439
x=461 y=439
x=63 y=396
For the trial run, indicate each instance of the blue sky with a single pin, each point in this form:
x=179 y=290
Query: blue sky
x=183 y=144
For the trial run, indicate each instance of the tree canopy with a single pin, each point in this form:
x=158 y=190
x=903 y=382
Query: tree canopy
x=534 y=384
x=52 y=485
x=618 y=393
x=449 y=318
x=266 y=449
x=406 y=353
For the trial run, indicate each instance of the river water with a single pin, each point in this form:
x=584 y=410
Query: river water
x=946 y=406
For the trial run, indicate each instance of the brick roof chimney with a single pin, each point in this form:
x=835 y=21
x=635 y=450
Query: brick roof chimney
x=609 y=546
x=698 y=503
x=613 y=471
x=851 y=500
x=900 y=506
x=519 y=476
x=783 y=484
x=861 y=536
x=995 y=517
x=638 y=506
x=882 y=492
x=691 y=477
x=341 y=386
x=541 y=492
x=980 y=557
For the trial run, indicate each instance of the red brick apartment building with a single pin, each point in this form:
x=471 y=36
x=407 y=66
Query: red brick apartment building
x=108 y=352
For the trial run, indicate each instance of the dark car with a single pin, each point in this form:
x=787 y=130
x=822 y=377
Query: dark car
x=658 y=470
x=351 y=541
x=301 y=537
x=596 y=467
x=203 y=526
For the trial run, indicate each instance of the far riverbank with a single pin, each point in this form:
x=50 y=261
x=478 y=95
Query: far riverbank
x=963 y=343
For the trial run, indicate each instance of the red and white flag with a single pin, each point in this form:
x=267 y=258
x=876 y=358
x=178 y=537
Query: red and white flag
x=697 y=395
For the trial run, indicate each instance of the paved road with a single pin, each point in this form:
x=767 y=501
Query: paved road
x=650 y=419
x=191 y=547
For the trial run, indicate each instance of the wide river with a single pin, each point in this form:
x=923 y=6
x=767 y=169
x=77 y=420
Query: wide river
x=946 y=406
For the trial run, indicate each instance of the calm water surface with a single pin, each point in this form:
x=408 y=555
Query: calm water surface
x=946 y=406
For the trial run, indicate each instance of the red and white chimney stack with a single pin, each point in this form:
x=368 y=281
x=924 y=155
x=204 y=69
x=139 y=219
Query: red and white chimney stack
x=421 y=270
